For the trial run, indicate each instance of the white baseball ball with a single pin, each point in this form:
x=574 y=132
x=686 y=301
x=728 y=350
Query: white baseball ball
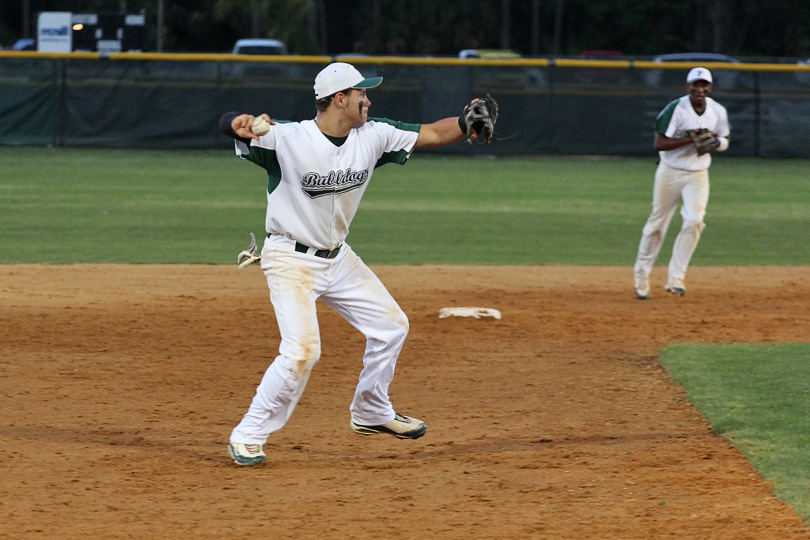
x=260 y=126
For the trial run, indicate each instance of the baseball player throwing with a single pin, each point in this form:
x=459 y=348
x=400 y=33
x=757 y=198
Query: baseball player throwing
x=318 y=171
x=687 y=131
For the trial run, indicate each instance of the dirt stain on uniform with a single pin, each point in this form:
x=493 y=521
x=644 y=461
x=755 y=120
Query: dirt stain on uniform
x=310 y=354
x=299 y=281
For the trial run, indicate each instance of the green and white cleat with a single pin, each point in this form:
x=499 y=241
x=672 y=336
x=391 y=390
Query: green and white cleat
x=246 y=455
x=401 y=426
x=676 y=286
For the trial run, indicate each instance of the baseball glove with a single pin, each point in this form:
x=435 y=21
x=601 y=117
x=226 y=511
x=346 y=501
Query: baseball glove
x=704 y=140
x=479 y=119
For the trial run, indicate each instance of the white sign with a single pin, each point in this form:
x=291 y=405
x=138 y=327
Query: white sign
x=108 y=46
x=135 y=20
x=85 y=18
x=55 y=32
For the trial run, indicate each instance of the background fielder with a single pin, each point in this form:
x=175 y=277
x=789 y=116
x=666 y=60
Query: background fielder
x=318 y=171
x=687 y=131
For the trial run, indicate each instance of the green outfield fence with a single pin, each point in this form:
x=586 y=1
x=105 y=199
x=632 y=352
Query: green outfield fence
x=146 y=100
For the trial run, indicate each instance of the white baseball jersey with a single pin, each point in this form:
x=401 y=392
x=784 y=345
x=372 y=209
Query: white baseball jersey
x=679 y=116
x=315 y=186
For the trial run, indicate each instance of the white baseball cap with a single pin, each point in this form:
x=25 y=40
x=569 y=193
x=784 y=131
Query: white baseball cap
x=340 y=76
x=699 y=74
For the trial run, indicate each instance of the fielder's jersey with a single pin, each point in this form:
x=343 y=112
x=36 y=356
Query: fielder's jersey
x=315 y=186
x=679 y=116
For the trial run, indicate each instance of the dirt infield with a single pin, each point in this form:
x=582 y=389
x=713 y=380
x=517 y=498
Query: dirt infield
x=119 y=386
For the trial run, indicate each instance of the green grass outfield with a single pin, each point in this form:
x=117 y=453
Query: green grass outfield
x=757 y=397
x=69 y=205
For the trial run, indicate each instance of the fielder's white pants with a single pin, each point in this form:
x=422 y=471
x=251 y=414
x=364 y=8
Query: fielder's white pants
x=347 y=285
x=671 y=187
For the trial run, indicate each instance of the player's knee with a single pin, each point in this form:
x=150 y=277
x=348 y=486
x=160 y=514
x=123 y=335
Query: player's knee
x=693 y=226
x=305 y=357
x=393 y=329
x=399 y=324
x=403 y=322
x=652 y=231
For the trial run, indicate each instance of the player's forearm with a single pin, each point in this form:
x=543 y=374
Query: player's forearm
x=662 y=143
x=442 y=133
x=226 y=126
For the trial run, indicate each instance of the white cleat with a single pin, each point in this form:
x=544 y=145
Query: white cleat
x=642 y=287
x=676 y=286
x=401 y=426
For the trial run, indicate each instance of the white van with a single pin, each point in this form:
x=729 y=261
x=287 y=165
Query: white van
x=723 y=78
x=260 y=46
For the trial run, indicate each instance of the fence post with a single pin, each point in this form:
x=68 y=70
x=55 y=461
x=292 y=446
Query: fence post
x=757 y=113
x=59 y=132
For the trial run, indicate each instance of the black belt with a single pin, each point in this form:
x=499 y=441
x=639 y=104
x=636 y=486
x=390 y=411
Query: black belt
x=322 y=253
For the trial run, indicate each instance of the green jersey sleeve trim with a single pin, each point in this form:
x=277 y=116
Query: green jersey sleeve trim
x=399 y=125
x=664 y=117
x=400 y=156
x=266 y=159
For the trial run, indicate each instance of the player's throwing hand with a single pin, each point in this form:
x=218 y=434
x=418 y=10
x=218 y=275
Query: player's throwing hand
x=251 y=127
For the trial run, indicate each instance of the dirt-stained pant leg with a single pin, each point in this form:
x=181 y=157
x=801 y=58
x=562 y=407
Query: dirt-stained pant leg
x=294 y=280
x=358 y=295
x=666 y=195
x=695 y=195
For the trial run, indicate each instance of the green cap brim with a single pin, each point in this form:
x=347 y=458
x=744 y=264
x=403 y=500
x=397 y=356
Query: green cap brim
x=371 y=82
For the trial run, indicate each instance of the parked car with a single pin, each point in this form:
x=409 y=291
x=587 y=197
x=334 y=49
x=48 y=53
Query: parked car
x=803 y=76
x=260 y=46
x=695 y=57
x=506 y=77
x=599 y=76
x=24 y=44
x=488 y=53
x=601 y=55
x=657 y=77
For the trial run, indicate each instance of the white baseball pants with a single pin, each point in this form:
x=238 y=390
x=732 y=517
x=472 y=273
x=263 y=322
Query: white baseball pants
x=347 y=285
x=672 y=186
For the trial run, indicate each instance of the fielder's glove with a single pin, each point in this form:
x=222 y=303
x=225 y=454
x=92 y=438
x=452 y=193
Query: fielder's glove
x=479 y=119
x=704 y=140
x=248 y=256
